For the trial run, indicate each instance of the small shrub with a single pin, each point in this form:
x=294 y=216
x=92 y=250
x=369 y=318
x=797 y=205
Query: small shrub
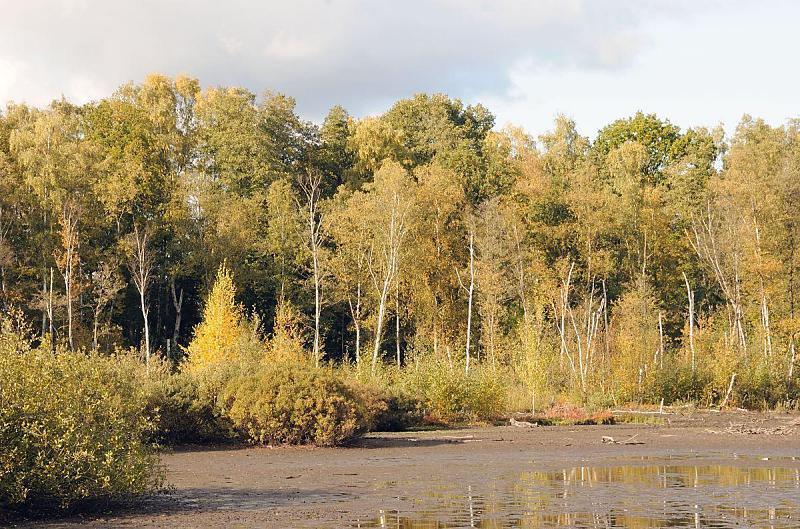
x=185 y=413
x=569 y=414
x=294 y=404
x=678 y=383
x=72 y=429
x=389 y=410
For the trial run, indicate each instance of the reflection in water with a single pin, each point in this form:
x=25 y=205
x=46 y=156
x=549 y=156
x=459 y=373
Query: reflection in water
x=624 y=496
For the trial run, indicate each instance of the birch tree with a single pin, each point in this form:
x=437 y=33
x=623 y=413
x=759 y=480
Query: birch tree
x=67 y=261
x=141 y=264
x=310 y=183
x=388 y=204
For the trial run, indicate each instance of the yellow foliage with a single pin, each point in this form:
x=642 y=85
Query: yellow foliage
x=218 y=338
x=286 y=344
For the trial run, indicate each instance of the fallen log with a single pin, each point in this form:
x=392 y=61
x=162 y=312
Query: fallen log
x=523 y=424
x=607 y=439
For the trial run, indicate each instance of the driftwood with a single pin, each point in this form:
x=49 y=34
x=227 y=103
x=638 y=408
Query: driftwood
x=523 y=424
x=629 y=441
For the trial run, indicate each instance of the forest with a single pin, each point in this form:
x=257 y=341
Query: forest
x=423 y=231
x=419 y=265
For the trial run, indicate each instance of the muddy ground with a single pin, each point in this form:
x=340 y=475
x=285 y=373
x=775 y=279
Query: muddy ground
x=402 y=472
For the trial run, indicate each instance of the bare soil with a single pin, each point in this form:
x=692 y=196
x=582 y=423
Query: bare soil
x=397 y=472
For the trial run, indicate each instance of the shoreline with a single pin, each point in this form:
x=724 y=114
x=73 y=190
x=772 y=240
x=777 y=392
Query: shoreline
x=401 y=472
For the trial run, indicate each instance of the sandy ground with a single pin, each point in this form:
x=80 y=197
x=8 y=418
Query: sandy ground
x=401 y=472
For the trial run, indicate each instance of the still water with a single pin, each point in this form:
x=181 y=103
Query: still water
x=636 y=495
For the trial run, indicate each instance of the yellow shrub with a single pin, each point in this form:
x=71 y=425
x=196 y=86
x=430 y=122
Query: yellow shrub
x=286 y=344
x=450 y=394
x=294 y=404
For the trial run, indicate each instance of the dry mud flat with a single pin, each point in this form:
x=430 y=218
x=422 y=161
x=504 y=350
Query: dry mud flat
x=699 y=470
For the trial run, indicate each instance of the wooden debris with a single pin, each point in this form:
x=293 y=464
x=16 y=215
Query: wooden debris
x=629 y=441
x=523 y=424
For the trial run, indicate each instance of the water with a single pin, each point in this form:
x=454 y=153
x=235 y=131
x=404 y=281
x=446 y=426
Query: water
x=639 y=494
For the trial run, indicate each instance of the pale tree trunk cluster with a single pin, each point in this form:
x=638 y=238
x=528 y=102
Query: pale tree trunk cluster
x=579 y=334
x=726 y=268
x=310 y=186
x=387 y=258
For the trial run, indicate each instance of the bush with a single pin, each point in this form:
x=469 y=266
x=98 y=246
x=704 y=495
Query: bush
x=389 y=410
x=451 y=395
x=570 y=414
x=72 y=429
x=678 y=383
x=294 y=404
x=185 y=412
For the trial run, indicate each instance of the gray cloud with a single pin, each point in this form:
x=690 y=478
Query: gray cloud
x=359 y=53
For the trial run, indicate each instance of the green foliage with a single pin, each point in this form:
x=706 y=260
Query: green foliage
x=185 y=411
x=450 y=394
x=658 y=137
x=294 y=404
x=72 y=430
x=388 y=409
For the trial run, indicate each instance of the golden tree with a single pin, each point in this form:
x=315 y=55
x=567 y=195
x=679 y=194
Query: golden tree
x=218 y=336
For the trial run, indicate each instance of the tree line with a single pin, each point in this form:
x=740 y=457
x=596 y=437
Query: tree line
x=651 y=262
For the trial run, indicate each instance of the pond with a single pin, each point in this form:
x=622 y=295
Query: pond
x=685 y=492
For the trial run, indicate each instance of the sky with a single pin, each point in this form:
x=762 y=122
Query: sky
x=701 y=62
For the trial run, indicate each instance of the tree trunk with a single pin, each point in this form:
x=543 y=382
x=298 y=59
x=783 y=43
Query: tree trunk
x=310 y=184
x=146 y=327
x=141 y=267
x=50 y=315
x=470 y=291
x=177 y=302
x=355 y=313
x=379 y=325
x=317 y=307
x=690 y=297
x=95 y=324
x=397 y=319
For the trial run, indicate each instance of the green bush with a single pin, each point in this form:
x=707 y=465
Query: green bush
x=452 y=395
x=294 y=404
x=389 y=410
x=678 y=383
x=185 y=412
x=72 y=429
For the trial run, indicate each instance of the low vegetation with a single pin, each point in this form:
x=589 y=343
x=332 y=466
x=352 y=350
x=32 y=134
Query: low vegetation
x=294 y=404
x=72 y=428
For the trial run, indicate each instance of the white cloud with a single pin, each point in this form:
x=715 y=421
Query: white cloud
x=285 y=47
x=701 y=71
x=231 y=45
x=526 y=59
